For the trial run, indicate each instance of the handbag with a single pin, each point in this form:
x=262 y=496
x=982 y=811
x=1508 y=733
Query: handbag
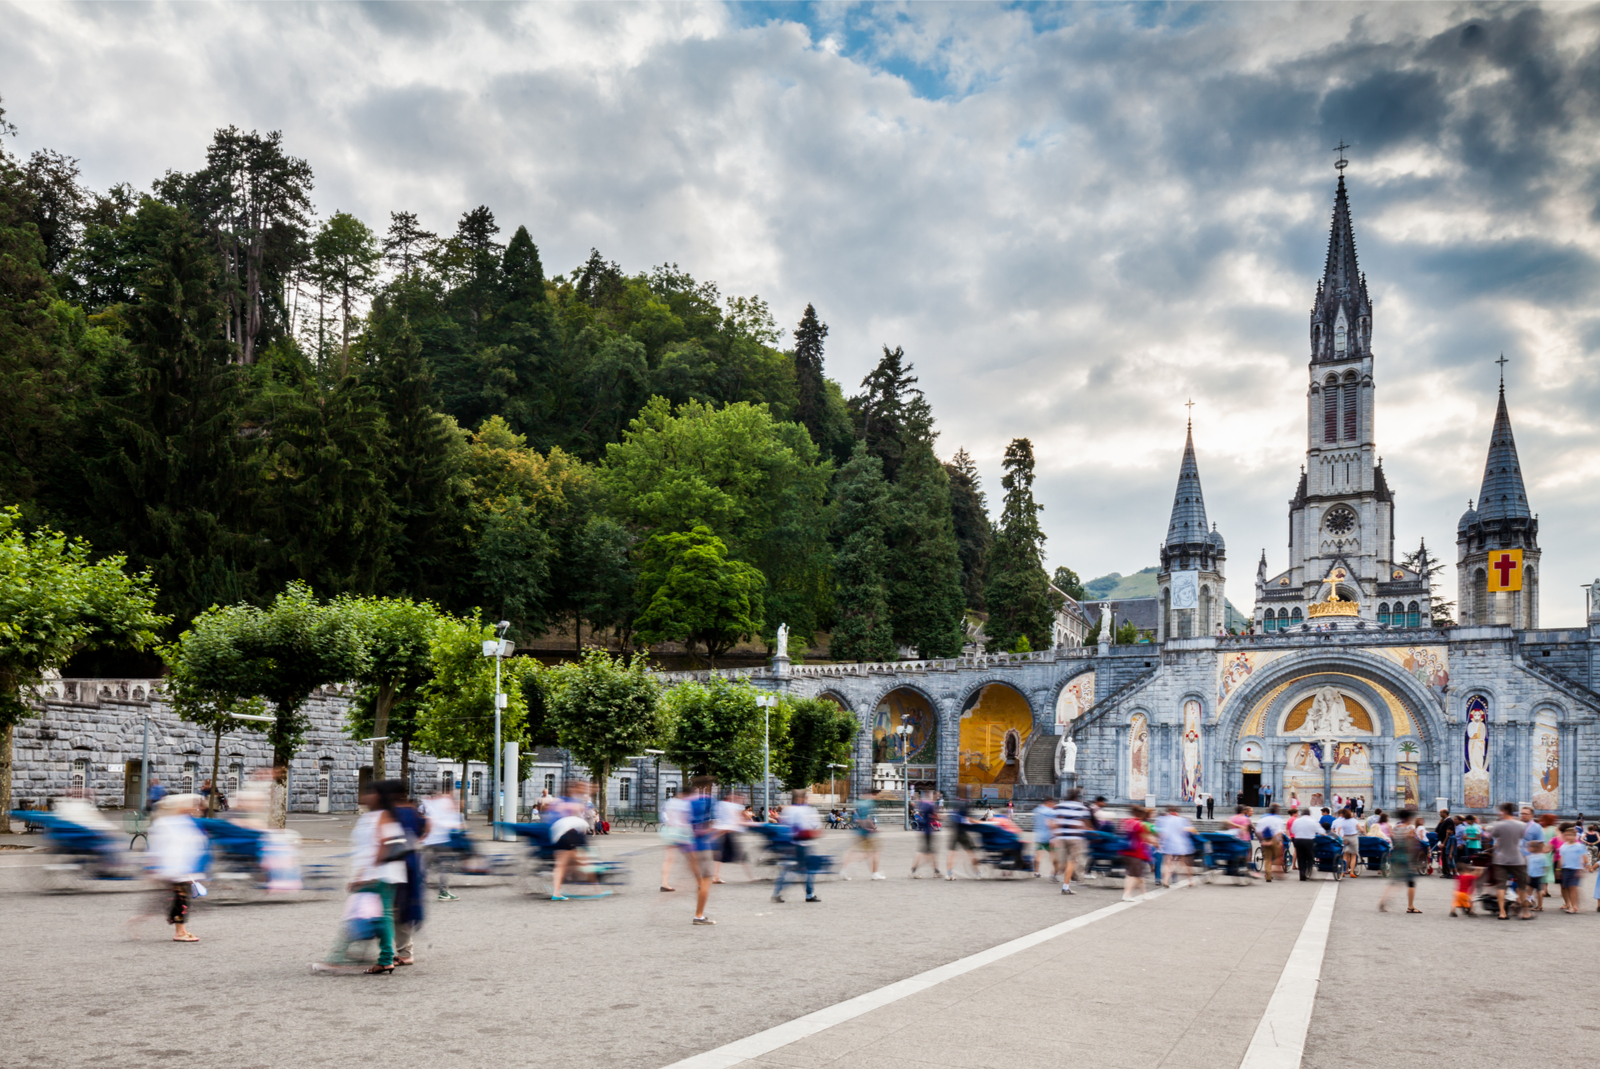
x=396 y=849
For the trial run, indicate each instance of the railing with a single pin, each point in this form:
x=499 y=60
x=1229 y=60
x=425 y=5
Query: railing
x=966 y=662
x=1104 y=705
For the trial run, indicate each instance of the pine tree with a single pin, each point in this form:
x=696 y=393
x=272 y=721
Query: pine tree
x=974 y=536
x=926 y=606
x=891 y=416
x=1020 y=602
x=523 y=337
x=862 y=630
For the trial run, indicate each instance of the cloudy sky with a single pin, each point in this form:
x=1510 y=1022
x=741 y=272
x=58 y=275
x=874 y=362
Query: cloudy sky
x=1074 y=219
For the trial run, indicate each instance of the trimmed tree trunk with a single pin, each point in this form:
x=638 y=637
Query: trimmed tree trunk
x=380 y=728
x=279 y=814
x=405 y=762
x=6 y=731
x=216 y=766
x=600 y=790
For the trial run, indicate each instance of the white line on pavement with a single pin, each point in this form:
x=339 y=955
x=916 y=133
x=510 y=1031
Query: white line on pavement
x=742 y=1050
x=1280 y=1038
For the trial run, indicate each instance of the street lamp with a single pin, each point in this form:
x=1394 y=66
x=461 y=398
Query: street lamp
x=766 y=701
x=904 y=731
x=833 y=788
x=499 y=649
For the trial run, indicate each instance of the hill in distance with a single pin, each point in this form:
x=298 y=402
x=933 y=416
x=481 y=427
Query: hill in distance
x=1142 y=584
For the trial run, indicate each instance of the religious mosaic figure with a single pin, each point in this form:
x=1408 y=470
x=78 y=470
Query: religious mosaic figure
x=1546 y=761
x=1138 y=757
x=1475 y=764
x=1191 y=750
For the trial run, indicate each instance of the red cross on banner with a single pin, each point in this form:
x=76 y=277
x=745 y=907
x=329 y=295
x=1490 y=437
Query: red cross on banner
x=1505 y=570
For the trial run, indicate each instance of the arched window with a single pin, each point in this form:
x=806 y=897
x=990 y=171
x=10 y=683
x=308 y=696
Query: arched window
x=1383 y=612
x=1530 y=598
x=1413 y=615
x=1480 y=598
x=1330 y=410
x=1166 y=616
x=80 y=776
x=1203 y=627
x=1295 y=618
x=1351 y=420
x=1269 y=622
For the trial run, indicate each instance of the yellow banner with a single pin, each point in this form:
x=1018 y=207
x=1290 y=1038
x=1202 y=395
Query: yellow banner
x=1505 y=570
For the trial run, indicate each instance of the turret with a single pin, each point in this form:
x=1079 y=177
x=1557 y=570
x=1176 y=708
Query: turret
x=1190 y=583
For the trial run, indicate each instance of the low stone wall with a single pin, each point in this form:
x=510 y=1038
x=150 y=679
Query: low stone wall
x=90 y=733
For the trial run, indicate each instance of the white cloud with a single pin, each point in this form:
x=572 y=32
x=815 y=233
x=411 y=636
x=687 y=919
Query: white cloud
x=1072 y=225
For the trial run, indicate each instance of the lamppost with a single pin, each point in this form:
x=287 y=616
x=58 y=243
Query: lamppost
x=499 y=649
x=766 y=701
x=904 y=731
x=833 y=787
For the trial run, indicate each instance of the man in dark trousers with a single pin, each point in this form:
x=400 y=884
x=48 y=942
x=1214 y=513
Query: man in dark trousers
x=1303 y=830
x=1446 y=831
x=1211 y=807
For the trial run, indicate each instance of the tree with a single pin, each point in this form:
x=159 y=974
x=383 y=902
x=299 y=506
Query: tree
x=457 y=704
x=1423 y=563
x=406 y=245
x=819 y=407
x=974 y=536
x=604 y=711
x=1066 y=580
x=1020 y=602
x=862 y=630
x=58 y=204
x=56 y=600
x=892 y=416
x=715 y=729
x=281 y=653
x=693 y=594
x=217 y=714
x=344 y=262
x=399 y=638
x=926 y=607
x=820 y=734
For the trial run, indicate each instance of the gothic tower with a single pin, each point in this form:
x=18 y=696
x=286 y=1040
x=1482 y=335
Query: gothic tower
x=1502 y=521
x=1190 y=584
x=1341 y=519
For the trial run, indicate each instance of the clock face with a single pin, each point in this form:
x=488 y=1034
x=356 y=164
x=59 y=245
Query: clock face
x=1341 y=521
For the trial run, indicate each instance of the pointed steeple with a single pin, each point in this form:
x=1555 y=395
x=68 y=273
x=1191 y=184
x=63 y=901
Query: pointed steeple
x=1188 y=504
x=1503 y=495
x=1341 y=319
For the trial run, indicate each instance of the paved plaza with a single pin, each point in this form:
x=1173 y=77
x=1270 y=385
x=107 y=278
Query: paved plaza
x=1185 y=978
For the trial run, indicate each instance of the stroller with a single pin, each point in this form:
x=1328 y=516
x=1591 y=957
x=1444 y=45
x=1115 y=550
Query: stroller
x=1223 y=854
x=537 y=876
x=1374 y=852
x=1107 y=852
x=778 y=850
x=247 y=862
x=83 y=856
x=1000 y=850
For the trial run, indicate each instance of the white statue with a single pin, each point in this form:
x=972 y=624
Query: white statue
x=783 y=640
x=1106 y=634
x=1066 y=757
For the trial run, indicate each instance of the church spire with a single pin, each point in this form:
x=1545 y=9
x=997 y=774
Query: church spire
x=1188 y=504
x=1341 y=320
x=1503 y=495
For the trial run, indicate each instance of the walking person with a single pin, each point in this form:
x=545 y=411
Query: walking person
x=1070 y=829
x=443 y=821
x=675 y=834
x=960 y=838
x=408 y=904
x=703 y=846
x=1348 y=830
x=1176 y=841
x=1270 y=830
x=1135 y=853
x=1445 y=832
x=866 y=844
x=1403 y=858
x=1536 y=856
x=1572 y=857
x=1304 y=831
x=927 y=812
x=803 y=826
x=1044 y=816
x=1510 y=867
x=179 y=848
x=568 y=835
x=377 y=864
x=731 y=820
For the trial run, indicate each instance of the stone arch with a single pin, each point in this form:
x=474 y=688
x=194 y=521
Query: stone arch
x=928 y=747
x=1338 y=661
x=996 y=720
x=1056 y=689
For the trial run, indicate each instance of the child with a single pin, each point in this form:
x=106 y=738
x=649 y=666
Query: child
x=1466 y=878
x=1574 y=858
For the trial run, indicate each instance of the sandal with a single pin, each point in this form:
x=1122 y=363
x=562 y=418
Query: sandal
x=379 y=970
x=1410 y=910
x=191 y=938
x=405 y=961
x=664 y=887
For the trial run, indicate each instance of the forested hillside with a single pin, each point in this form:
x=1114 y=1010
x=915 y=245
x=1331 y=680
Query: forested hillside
x=237 y=392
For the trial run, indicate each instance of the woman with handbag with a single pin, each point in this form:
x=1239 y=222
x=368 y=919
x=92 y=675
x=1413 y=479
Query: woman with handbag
x=378 y=849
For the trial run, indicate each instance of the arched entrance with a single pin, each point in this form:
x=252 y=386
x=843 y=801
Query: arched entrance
x=899 y=755
x=996 y=723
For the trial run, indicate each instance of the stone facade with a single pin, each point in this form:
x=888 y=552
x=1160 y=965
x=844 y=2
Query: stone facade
x=89 y=735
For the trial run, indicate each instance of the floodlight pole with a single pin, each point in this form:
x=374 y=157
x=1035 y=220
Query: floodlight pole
x=766 y=701
x=496 y=648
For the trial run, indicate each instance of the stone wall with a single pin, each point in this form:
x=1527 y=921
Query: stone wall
x=90 y=733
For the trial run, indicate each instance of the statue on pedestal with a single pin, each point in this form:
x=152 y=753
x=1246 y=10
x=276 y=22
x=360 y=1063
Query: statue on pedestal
x=783 y=641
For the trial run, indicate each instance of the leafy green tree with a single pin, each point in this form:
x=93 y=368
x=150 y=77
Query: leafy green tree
x=693 y=594
x=281 y=653
x=715 y=729
x=218 y=714
x=398 y=633
x=344 y=261
x=604 y=711
x=594 y=576
x=457 y=704
x=1127 y=633
x=862 y=630
x=56 y=600
x=59 y=204
x=974 y=536
x=819 y=734
x=1066 y=580
x=926 y=607
x=1020 y=602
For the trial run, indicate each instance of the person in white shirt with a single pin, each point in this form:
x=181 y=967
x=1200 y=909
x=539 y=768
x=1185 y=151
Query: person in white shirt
x=1348 y=829
x=1304 y=829
x=443 y=819
x=1176 y=844
x=677 y=835
x=179 y=847
x=729 y=823
x=1270 y=830
x=1043 y=819
x=804 y=825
